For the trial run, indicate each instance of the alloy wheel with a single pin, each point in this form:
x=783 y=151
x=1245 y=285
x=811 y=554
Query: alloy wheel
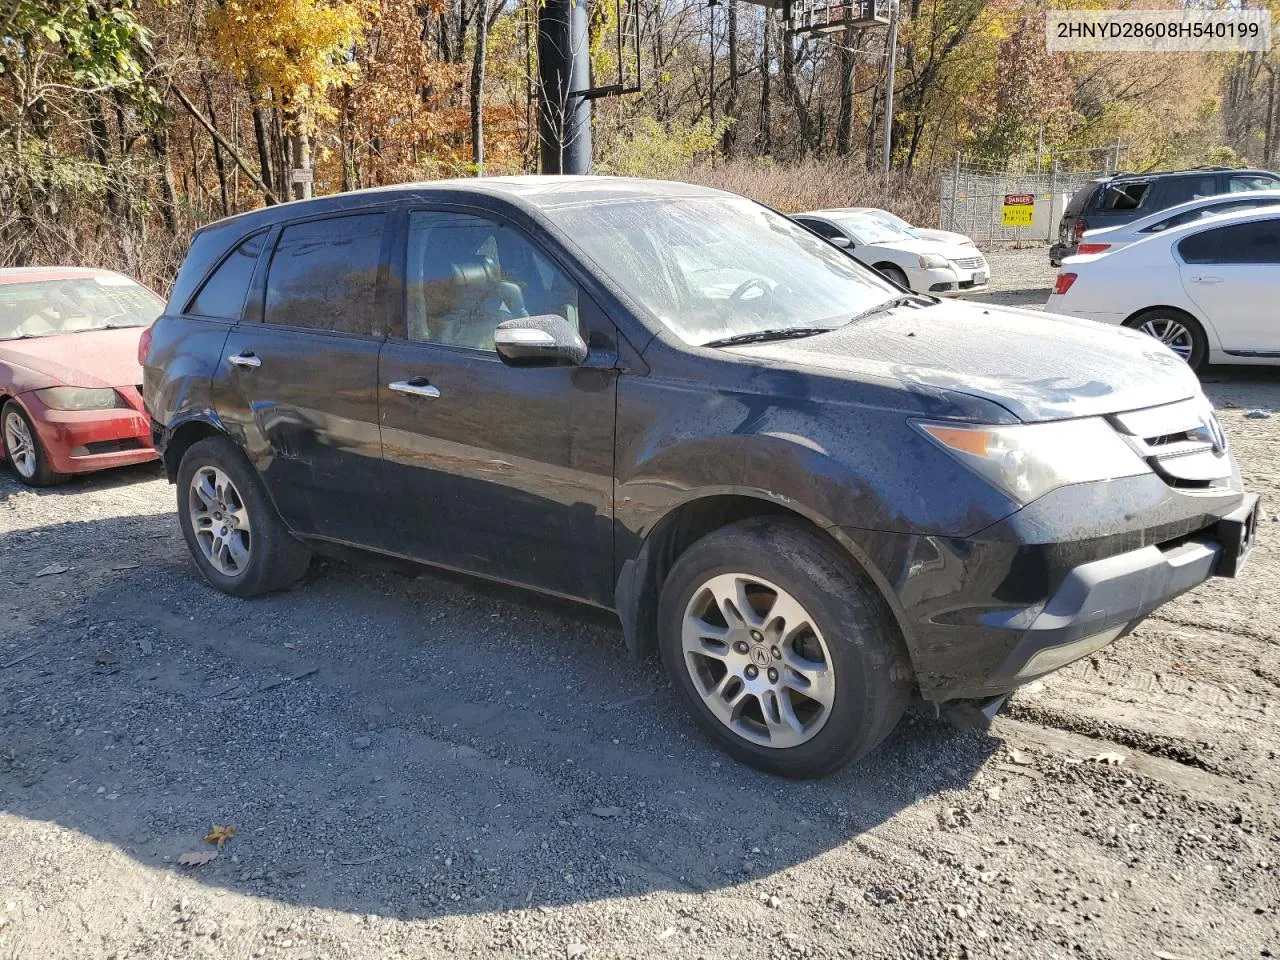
x=220 y=521
x=1172 y=334
x=758 y=660
x=20 y=445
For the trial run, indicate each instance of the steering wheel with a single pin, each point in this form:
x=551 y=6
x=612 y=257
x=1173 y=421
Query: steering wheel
x=755 y=283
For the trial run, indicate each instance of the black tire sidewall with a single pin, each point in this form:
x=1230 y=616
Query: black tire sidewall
x=872 y=680
x=264 y=572
x=896 y=274
x=1199 y=341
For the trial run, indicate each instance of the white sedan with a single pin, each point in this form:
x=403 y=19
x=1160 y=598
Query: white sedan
x=1207 y=289
x=1113 y=238
x=922 y=233
x=921 y=265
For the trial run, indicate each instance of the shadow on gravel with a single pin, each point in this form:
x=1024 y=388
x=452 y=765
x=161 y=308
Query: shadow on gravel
x=406 y=747
x=104 y=480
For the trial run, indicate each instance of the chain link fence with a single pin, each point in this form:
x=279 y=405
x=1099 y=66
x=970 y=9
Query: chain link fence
x=972 y=197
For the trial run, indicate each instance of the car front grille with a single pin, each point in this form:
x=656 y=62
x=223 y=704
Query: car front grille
x=1182 y=442
x=971 y=263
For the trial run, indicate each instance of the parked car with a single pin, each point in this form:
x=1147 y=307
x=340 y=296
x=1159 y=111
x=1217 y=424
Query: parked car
x=922 y=233
x=1110 y=239
x=1206 y=289
x=809 y=490
x=920 y=265
x=70 y=379
x=1123 y=198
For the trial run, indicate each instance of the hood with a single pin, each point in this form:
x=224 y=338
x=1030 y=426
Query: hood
x=1037 y=366
x=918 y=245
x=945 y=236
x=93 y=358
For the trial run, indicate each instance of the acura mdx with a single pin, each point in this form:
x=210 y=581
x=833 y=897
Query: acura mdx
x=812 y=492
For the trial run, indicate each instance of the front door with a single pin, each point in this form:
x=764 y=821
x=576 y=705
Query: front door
x=1232 y=273
x=298 y=379
x=496 y=470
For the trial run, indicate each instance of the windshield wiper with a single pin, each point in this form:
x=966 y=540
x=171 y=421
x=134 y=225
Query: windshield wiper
x=914 y=300
x=760 y=336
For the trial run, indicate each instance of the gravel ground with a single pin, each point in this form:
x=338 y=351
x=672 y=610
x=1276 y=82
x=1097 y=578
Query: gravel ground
x=424 y=766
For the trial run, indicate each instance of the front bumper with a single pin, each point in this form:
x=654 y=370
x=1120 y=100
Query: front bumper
x=951 y=281
x=1060 y=579
x=78 y=441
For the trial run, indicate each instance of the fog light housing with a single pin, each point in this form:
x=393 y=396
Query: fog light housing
x=1054 y=658
x=939 y=287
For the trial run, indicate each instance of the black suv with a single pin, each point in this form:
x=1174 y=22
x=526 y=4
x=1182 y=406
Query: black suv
x=1125 y=197
x=811 y=491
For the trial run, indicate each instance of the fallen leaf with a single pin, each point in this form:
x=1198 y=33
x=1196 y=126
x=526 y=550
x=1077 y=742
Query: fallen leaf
x=220 y=835
x=606 y=813
x=125 y=566
x=1020 y=758
x=197 y=858
x=52 y=569
x=105 y=659
x=668 y=933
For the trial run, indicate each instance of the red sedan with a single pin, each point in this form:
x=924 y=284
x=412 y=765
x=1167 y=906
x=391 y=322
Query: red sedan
x=70 y=382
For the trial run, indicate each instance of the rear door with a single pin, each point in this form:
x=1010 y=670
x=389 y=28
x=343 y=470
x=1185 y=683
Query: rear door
x=501 y=471
x=297 y=384
x=1232 y=274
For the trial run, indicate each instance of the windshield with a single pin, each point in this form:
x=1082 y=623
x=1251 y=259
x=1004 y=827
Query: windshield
x=47 y=308
x=872 y=229
x=718 y=267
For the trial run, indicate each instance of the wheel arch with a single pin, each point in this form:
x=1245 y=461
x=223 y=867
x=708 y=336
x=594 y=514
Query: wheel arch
x=183 y=436
x=641 y=578
x=1210 y=333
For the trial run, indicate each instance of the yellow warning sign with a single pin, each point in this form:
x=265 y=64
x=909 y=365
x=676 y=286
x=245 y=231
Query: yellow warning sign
x=1018 y=209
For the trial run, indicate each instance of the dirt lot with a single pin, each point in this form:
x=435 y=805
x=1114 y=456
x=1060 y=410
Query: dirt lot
x=425 y=766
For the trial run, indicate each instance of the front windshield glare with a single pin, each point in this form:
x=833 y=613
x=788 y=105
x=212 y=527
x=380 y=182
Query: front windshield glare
x=717 y=267
x=48 y=308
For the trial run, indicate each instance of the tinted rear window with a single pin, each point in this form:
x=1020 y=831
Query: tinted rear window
x=1118 y=197
x=324 y=274
x=1257 y=241
x=224 y=293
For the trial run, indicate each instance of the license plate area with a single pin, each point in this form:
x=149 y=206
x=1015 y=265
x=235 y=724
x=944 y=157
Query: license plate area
x=979 y=278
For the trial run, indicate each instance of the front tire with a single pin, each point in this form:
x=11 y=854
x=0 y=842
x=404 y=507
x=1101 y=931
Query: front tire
x=1178 y=331
x=896 y=274
x=23 y=449
x=781 y=649
x=238 y=541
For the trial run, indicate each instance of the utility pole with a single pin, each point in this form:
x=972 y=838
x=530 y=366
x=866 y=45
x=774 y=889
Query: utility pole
x=564 y=76
x=888 y=84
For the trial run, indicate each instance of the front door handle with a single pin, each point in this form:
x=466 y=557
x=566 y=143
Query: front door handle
x=246 y=359
x=417 y=387
x=1206 y=280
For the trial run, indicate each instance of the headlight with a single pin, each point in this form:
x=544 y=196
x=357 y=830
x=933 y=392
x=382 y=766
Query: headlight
x=1028 y=460
x=931 y=261
x=80 y=398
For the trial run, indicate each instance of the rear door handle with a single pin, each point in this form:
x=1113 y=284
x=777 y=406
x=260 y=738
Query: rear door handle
x=1206 y=280
x=417 y=387
x=246 y=359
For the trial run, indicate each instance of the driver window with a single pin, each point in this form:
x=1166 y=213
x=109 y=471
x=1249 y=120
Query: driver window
x=467 y=274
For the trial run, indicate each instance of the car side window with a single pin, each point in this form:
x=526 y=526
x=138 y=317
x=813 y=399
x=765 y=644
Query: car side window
x=1255 y=242
x=822 y=229
x=223 y=294
x=1242 y=182
x=466 y=274
x=1123 y=196
x=323 y=274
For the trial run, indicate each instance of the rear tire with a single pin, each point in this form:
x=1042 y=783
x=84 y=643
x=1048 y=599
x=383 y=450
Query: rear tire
x=831 y=678
x=896 y=274
x=238 y=541
x=24 y=451
x=1177 y=330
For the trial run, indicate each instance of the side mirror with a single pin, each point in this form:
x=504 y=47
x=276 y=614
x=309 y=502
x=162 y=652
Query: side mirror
x=546 y=341
x=844 y=243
